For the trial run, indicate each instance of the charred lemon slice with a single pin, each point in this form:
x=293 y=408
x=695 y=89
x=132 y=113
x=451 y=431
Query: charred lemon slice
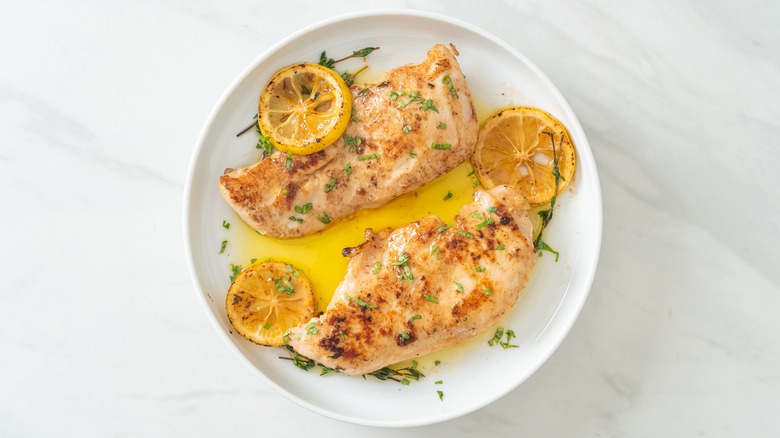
x=515 y=147
x=267 y=299
x=304 y=108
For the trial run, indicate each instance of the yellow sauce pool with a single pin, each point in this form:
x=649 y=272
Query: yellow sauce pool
x=319 y=255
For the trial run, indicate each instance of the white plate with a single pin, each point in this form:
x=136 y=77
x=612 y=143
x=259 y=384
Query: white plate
x=472 y=377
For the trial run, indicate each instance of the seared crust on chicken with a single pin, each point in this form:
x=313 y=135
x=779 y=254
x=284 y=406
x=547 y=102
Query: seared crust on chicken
x=423 y=286
x=417 y=123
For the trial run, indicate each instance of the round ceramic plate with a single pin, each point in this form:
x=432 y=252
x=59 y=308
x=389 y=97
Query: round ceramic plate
x=473 y=375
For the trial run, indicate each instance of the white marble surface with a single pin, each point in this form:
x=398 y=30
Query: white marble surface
x=101 y=333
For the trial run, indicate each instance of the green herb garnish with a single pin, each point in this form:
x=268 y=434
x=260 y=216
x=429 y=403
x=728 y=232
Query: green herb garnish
x=407 y=129
x=442 y=125
x=284 y=285
x=324 y=218
x=447 y=196
x=465 y=234
x=329 y=186
x=296 y=219
x=377 y=268
x=443 y=228
x=428 y=105
x=222 y=248
x=359 y=302
x=288 y=160
x=448 y=82
x=303 y=209
x=414 y=317
x=459 y=286
x=441 y=146
x=368 y=157
x=431 y=298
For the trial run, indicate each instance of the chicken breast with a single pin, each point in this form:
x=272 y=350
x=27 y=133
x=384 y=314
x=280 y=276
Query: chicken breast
x=417 y=123
x=424 y=286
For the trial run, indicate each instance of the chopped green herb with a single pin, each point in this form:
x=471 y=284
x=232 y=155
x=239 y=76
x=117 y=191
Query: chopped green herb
x=471 y=173
x=496 y=337
x=286 y=337
x=436 y=363
x=311 y=328
x=441 y=146
x=413 y=154
x=488 y=291
x=293 y=273
x=404 y=271
x=443 y=228
x=428 y=105
x=225 y=224
x=354 y=140
x=341 y=334
x=459 y=286
x=405 y=335
x=465 y=234
x=224 y=245
x=285 y=191
x=476 y=183
x=363 y=91
x=448 y=195
x=435 y=250
x=491 y=209
x=296 y=219
x=431 y=298
x=448 y=82
x=438 y=382
x=329 y=186
x=500 y=247
x=252 y=261
x=484 y=223
x=509 y=335
x=476 y=215
x=407 y=129
x=442 y=125
x=264 y=143
x=354 y=116
x=368 y=157
x=541 y=245
x=441 y=395
x=414 y=317
x=348 y=169
x=235 y=269
x=413 y=97
x=479 y=269
x=284 y=285
x=377 y=268
x=359 y=302
x=288 y=160
x=267 y=325
x=394 y=94
x=405 y=381
x=324 y=218
x=303 y=209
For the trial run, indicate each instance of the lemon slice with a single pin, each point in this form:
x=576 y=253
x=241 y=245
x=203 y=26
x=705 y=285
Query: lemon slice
x=304 y=108
x=267 y=299
x=513 y=148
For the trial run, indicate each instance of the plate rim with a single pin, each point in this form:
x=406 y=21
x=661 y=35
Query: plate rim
x=254 y=64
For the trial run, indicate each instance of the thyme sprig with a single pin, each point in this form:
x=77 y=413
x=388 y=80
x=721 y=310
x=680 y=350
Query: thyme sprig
x=547 y=215
x=400 y=375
